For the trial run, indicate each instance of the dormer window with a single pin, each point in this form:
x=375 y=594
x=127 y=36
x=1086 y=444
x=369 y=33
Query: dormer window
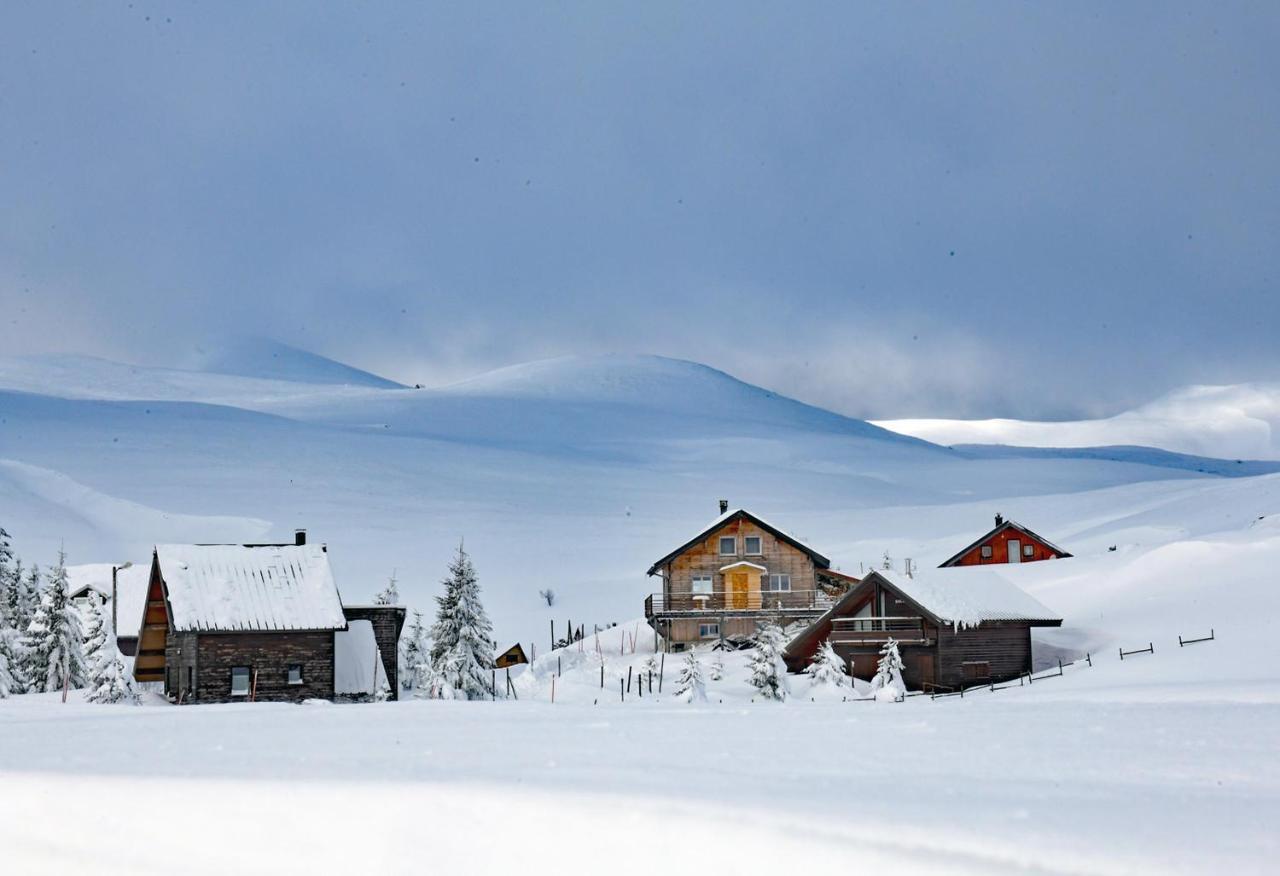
x=728 y=546
x=753 y=546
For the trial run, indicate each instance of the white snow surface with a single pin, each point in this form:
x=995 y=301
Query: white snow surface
x=969 y=595
x=250 y=587
x=1240 y=421
x=357 y=662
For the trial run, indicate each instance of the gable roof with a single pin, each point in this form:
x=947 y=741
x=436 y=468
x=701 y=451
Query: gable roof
x=244 y=588
x=1007 y=524
x=963 y=596
x=741 y=514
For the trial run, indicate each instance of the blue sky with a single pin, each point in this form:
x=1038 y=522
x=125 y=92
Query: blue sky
x=894 y=210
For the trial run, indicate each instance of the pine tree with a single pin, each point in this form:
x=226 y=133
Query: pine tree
x=95 y=639
x=888 y=684
x=413 y=650
x=461 y=638
x=7 y=610
x=691 y=684
x=429 y=683
x=390 y=594
x=827 y=669
x=768 y=672
x=9 y=672
x=54 y=641
x=717 y=666
x=108 y=682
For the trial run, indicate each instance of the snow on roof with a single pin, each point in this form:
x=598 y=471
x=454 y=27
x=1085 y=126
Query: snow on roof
x=250 y=587
x=968 y=595
x=743 y=563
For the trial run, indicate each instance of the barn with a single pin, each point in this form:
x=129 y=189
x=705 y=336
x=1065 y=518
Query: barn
x=953 y=628
x=1007 y=542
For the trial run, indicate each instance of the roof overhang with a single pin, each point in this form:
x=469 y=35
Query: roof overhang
x=743 y=564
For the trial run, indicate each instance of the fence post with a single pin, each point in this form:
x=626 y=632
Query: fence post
x=662 y=665
x=1087 y=658
x=628 y=679
x=622 y=690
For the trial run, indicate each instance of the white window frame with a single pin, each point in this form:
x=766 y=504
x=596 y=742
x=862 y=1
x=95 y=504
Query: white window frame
x=746 y=545
x=248 y=681
x=1028 y=550
x=709 y=630
x=774 y=584
x=289 y=674
x=733 y=540
x=708 y=580
x=986 y=552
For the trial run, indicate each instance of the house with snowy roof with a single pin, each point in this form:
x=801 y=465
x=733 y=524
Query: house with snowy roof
x=953 y=627
x=734 y=573
x=232 y=622
x=1007 y=542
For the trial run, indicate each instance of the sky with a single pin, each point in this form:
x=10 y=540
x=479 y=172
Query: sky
x=892 y=210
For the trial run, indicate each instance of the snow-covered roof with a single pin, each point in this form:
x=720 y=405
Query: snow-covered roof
x=131 y=589
x=968 y=595
x=231 y=587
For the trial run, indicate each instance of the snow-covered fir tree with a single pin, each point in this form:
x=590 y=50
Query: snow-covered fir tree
x=108 y=681
x=691 y=683
x=768 y=672
x=413 y=650
x=461 y=638
x=888 y=684
x=429 y=683
x=54 y=643
x=717 y=665
x=17 y=593
x=9 y=664
x=389 y=595
x=827 y=669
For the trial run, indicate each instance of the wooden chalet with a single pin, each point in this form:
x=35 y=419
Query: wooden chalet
x=224 y=623
x=1008 y=542
x=953 y=628
x=513 y=656
x=733 y=574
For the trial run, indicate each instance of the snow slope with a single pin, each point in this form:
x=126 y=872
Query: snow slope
x=1233 y=422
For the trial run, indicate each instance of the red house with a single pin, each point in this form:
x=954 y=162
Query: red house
x=1009 y=542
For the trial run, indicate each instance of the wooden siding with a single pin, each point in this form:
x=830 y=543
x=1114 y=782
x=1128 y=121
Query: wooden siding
x=999 y=544
x=212 y=656
x=153 y=630
x=1006 y=647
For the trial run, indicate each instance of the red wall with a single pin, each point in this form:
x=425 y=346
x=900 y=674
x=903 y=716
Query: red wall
x=1000 y=549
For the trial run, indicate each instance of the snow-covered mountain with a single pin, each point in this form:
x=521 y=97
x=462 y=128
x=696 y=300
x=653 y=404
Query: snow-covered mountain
x=572 y=474
x=1234 y=422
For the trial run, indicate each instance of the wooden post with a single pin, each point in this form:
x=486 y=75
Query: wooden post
x=559 y=667
x=253 y=692
x=553 y=634
x=553 y=688
x=628 y=679
x=662 y=665
x=493 y=684
x=602 y=676
x=622 y=690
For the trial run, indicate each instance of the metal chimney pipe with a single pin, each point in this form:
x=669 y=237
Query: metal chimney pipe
x=299 y=537
x=724 y=506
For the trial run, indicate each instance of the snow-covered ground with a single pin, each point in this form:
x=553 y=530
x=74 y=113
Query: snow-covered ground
x=1163 y=762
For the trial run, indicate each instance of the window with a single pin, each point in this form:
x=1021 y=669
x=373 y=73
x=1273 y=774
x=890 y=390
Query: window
x=986 y=551
x=295 y=673
x=701 y=584
x=976 y=670
x=779 y=583
x=1028 y=550
x=728 y=546
x=240 y=681
x=752 y=546
x=708 y=631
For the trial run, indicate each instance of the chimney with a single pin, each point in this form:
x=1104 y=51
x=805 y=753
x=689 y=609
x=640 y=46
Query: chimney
x=299 y=537
x=724 y=506
x=999 y=519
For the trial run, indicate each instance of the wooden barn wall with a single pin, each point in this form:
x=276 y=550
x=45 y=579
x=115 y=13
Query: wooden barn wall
x=387 y=622
x=1005 y=646
x=180 y=663
x=999 y=544
x=270 y=654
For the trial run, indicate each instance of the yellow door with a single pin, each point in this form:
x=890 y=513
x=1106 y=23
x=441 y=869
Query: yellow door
x=738 y=588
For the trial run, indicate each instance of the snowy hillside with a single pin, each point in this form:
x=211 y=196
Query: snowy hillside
x=1233 y=422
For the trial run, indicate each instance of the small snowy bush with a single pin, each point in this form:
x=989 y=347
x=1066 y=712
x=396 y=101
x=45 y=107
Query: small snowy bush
x=827 y=672
x=691 y=684
x=888 y=686
x=768 y=672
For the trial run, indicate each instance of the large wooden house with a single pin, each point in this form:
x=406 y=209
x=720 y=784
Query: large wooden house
x=953 y=628
x=733 y=574
x=1008 y=542
x=224 y=623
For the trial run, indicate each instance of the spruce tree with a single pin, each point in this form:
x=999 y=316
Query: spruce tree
x=54 y=641
x=717 y=666
x=7 y=603
x=691 y=683
x=888 y=684
x=429 y=683
x=413 y=650
x=108 y=681
x=9 y=670
x=390 y=595
x=768 y=672
x=95 y=638
x=461 y=638
x=827 y=669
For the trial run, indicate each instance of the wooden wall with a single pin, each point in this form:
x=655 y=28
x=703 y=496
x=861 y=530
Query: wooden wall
x=999 y=544
x=1006 y=647
x=212 y=655
x=779 y=557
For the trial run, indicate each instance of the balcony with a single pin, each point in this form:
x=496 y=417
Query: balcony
x=792 y=603
x=878 y=630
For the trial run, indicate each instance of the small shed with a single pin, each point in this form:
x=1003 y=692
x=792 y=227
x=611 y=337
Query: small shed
x=513 y=656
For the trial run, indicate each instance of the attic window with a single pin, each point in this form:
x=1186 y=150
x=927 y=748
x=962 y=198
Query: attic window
x=728 y=546
x=240 y=681
x=1028 y=550
x=751 y=546
x=986 y=551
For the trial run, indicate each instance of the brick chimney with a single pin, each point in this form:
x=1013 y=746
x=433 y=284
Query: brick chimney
x=724 y=506
x=299 y=537
x=999 y=519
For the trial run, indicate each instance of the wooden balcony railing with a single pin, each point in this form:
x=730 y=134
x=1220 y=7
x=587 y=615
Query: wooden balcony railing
x=772 y=601
x=855 y=630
